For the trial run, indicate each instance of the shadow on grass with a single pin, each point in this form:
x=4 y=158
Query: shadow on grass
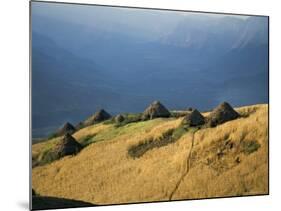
x=168 y=137
x=43 y=202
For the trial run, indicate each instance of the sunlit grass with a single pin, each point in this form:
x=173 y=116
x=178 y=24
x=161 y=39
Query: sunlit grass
x=228 y=160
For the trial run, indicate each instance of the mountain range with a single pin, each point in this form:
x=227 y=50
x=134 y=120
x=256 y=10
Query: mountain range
x=107 y=62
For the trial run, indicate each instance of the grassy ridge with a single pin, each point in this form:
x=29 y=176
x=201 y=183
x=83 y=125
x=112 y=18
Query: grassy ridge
x=227 y=160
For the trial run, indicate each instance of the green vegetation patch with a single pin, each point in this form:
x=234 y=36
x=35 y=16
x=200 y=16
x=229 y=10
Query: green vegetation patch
x=129 y=118
x=85 y=141
x=177 y=114
x=47 y=156
x=128 y=129
x=249 y=147
x=168 y=137
x=109 y=121
x=178 y=132
x=47 y=153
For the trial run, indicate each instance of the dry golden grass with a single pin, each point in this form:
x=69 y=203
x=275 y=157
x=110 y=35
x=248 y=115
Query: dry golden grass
x=224 y=176
x=103 y=173
x=39 y=148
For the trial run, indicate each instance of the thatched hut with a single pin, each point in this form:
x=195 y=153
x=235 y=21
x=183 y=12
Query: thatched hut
x=155 y=110
x=223 y=113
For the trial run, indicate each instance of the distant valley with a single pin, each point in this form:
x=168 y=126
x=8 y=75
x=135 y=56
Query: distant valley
x=81 y=68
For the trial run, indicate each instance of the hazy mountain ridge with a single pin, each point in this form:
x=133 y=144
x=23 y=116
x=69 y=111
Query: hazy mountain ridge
x=82 y=68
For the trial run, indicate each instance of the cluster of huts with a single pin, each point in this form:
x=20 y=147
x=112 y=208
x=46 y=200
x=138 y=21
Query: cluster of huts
x=192 y=118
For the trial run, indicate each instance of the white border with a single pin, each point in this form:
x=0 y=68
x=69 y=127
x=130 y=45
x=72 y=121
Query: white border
x=14 y=45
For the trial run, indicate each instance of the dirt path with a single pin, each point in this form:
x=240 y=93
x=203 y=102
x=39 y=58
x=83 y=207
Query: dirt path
x=188 y=165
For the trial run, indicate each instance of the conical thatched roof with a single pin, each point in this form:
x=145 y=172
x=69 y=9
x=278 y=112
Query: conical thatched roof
x=119 y=118
x=223 y=113
x=156 y=109
x=66 y=128
x=194 y=118
x=190 y=109
x=79 y=125
x=68 y=146
x=99 y=116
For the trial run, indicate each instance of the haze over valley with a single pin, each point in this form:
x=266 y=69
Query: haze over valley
x=123 y=59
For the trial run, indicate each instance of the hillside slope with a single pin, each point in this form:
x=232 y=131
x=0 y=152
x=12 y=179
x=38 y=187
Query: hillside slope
x=228 y=160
